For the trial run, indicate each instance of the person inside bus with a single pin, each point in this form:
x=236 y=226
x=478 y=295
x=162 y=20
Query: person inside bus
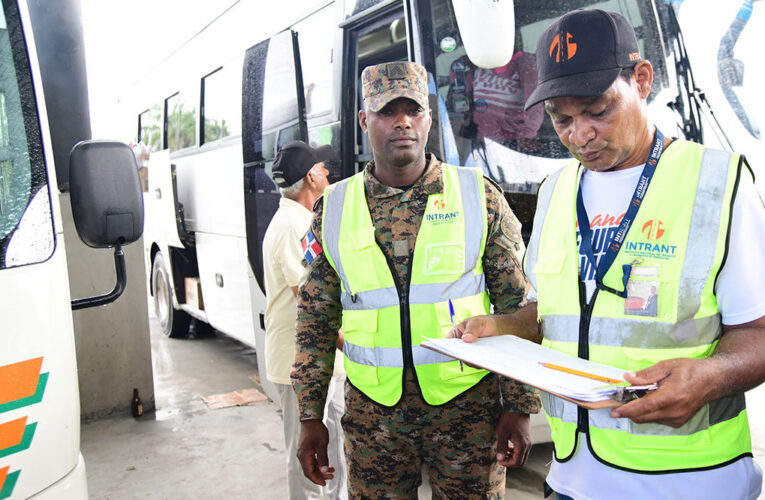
x=489 y=102
x=409 y=237
x=704 y=344
x=299 y=171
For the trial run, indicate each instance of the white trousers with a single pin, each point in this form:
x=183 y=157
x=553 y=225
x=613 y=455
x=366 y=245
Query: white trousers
x=299 y=486
x=337 y=488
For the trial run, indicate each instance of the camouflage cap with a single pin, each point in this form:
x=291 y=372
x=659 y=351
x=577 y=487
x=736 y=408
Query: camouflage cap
x=385 y=82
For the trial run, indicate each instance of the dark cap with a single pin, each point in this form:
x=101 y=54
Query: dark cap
x=582 y=53
x=327 y=155
x=385 y=82
x=292 y=162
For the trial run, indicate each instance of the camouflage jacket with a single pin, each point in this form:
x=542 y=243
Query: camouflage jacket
x=396 y=215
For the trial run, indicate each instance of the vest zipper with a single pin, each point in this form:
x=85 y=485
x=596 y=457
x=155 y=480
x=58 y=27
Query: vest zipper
x=584 y=345
x=406 y=327
x=403 y=298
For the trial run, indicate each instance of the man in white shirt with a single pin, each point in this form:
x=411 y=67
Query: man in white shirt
x=647 y=254
x=301 y=174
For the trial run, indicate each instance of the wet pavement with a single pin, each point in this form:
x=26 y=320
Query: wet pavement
x=185 y=450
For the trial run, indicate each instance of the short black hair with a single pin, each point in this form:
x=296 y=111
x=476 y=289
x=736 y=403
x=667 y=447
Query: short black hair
x=627 y=73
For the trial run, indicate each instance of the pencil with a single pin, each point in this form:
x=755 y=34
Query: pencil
x=581 y=374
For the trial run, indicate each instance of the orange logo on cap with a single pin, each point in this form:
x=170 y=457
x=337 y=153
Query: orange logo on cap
x=563 y=47
x=653 y=229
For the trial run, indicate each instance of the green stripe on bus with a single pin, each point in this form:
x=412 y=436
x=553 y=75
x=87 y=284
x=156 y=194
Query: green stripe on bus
x=10 y=482
x=26 y=440
x=31 y=400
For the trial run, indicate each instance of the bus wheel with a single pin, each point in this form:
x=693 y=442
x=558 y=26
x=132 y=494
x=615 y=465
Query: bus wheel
x=173 y=323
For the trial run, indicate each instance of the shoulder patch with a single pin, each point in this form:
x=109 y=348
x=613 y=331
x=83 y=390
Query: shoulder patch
x=510 y=229
x=311 y=247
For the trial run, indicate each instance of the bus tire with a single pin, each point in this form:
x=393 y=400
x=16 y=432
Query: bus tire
x=173 y=323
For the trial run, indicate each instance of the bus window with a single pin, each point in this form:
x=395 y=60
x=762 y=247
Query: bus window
x=26 y=226
x=180 y=122
x=150 y=128
x=220 y=108
x=354 y=7
x=316 y=61
x=484 y=107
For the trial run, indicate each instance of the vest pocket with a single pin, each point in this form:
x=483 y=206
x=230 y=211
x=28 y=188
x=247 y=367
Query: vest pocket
x=548 y=270
x=360 y=335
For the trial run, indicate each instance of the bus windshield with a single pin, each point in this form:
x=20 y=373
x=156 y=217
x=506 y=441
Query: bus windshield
x=482 y=116
x=26 y=228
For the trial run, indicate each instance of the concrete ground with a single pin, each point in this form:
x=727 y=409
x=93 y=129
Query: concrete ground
x=185 y=450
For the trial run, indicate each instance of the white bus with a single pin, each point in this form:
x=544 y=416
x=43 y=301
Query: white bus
x=215 y=112
x=39 y=400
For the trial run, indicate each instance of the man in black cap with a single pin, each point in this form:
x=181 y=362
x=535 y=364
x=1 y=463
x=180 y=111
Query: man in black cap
x=636 y=211
x=299 y=171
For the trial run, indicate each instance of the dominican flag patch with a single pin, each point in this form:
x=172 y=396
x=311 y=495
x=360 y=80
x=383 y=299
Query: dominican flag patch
x=311 y=247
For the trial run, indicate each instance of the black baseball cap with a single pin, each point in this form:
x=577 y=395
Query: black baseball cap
x=327 y=155
x=292 y=163
x=582 y=53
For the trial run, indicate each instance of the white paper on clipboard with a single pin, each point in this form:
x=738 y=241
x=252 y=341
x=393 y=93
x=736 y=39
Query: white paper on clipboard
x=522 y=360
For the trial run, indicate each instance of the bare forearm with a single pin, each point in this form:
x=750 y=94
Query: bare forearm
x=738 y=359
x=522 y=323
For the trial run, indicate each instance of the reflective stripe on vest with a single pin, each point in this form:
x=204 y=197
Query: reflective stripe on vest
x=373 y=351
x=688 y=327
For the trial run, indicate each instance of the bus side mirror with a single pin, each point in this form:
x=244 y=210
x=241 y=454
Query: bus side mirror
x=107 y=202
x=487 y=28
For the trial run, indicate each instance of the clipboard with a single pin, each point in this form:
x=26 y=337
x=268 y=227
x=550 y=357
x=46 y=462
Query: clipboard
x=522 y=360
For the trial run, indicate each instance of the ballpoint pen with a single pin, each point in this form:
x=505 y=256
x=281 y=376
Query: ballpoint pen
x=454 y=328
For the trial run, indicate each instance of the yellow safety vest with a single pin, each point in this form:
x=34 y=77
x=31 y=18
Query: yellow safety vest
x=689 y=200
x=384 y=323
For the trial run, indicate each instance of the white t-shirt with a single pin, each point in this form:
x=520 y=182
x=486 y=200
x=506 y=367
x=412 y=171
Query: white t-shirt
x=740 y=297
x=282 y=269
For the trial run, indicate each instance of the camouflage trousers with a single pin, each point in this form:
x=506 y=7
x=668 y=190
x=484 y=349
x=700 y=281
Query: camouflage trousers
x=386 y=447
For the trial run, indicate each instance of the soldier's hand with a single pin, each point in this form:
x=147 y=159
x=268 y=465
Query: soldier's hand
x=312 y=451
x=516 y=429
x=473 y=328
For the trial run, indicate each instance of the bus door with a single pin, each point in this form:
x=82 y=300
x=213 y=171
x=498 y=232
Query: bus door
x=273 y=114
x=374 y=36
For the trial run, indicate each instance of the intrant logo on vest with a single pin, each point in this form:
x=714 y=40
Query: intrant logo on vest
x=439 y=213
x=653 y=230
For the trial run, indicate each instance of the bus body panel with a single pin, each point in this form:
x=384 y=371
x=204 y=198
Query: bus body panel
x=224 y=271
x=73 y=486
x=45 y=399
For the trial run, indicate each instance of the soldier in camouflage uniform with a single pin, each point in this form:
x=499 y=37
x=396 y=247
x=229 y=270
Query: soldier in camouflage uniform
x=464 y=442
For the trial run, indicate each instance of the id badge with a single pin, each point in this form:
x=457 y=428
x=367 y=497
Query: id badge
x=642 y=291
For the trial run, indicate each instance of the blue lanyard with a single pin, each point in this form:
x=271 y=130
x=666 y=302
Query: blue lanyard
x=612 y=247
